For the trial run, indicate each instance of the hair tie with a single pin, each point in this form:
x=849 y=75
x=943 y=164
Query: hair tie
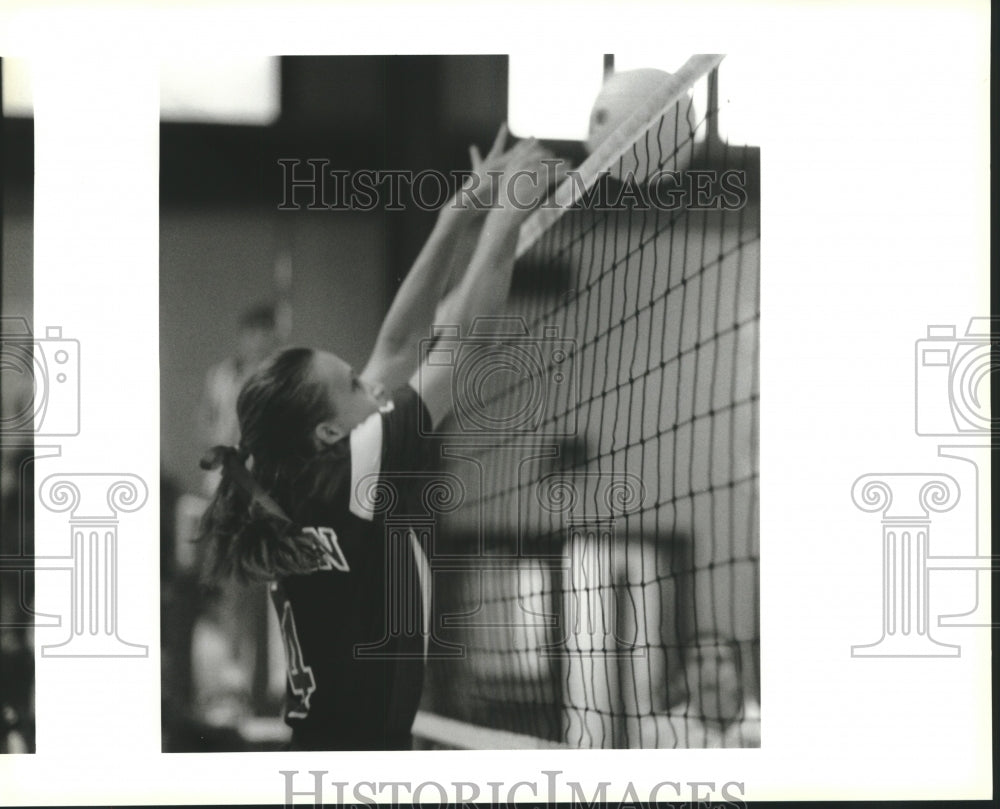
x=233 y=463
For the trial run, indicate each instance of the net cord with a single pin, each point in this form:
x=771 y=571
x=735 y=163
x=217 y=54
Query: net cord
x=643 y=118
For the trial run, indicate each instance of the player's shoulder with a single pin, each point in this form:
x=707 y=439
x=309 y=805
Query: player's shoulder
x=398 y=420
x=405 y=412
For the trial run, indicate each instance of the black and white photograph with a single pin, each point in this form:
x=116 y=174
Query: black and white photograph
x=474 y=396
x=410 y=403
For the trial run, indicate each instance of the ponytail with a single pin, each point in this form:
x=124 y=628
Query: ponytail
x=250 y=535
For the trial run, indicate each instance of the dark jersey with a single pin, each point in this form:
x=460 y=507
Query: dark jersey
x=355 y=629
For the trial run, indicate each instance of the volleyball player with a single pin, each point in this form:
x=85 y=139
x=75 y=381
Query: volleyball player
x=291 y=506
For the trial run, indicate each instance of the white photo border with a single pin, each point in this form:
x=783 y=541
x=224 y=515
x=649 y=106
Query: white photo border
x=875 y=214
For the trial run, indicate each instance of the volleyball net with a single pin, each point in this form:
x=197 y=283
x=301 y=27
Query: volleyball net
x=597 y=585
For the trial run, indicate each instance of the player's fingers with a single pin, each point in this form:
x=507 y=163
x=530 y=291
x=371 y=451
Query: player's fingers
x=499 y=142
x=474 y=157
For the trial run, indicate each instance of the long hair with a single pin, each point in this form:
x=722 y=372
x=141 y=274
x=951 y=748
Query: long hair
x=250 y=536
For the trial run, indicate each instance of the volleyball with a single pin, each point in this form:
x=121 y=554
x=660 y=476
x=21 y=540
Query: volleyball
x=620 y=96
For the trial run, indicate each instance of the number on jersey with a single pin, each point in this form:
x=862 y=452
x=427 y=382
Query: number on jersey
x=331 y=556
x=300 y=676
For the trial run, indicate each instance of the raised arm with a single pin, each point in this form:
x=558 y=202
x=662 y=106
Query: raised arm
x=438 y=267
x=483 y=288
x=394 y=354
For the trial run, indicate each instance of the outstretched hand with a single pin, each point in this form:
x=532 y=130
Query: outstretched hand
x=495 y=158
x=529 y=173
x=506 y=178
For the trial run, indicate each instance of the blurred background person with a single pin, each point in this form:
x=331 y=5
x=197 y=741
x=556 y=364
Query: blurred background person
x=717 y=711
x=257 y=338
x=229 y=637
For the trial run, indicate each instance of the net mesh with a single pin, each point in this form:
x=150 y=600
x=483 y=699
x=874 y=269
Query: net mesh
x=597 y=586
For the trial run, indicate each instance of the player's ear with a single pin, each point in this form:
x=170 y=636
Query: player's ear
x=328 y=433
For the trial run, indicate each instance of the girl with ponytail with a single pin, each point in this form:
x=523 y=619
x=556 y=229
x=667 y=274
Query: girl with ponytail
x=291 y=506
x=250 y=536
